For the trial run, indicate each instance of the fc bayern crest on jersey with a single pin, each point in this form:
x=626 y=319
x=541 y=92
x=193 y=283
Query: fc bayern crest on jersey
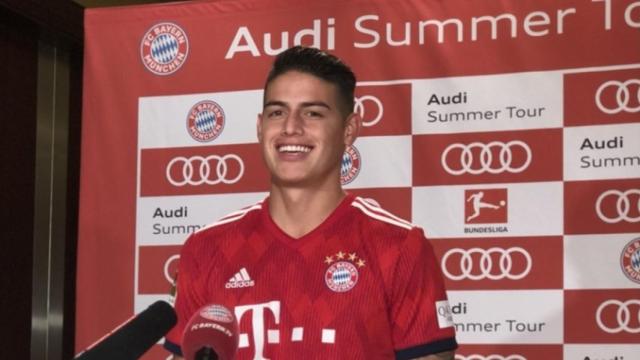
x=205 y=121
x=217 y=313
x=630 y=260
x=350 y=165
x=342 y=274
x=164 y=48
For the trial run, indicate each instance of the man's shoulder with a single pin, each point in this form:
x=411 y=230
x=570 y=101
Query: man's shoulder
x=238 y=218
x=379 y=220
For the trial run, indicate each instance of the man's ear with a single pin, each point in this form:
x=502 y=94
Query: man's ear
x=352 y=128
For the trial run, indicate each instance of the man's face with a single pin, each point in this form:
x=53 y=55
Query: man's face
x=302 y=132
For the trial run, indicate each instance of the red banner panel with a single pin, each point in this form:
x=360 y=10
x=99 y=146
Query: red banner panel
x=501 y=263
x=602 y=316
x=597 y=207
x=498 y=157
x=506 y=129
x=385 y=109
x=157 y=268
x=202 y=170
x=602 y=97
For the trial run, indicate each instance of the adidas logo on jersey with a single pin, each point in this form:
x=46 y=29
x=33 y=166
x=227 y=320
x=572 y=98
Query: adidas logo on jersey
x=240 y=280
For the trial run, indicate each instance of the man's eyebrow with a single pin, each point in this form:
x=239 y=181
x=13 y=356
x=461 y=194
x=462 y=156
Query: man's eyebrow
x=274 y=103
x=316 y=103
x=304 y=104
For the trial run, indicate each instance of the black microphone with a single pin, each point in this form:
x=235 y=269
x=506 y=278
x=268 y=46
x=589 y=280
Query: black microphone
x=133 y=337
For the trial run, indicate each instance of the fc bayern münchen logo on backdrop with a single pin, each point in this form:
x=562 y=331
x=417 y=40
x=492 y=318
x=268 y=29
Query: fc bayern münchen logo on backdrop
x=630 y=260
x=164 y=48
x=350 y=166
x=205 y=121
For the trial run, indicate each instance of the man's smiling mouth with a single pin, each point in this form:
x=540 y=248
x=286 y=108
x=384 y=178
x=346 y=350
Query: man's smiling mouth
x=294 y=148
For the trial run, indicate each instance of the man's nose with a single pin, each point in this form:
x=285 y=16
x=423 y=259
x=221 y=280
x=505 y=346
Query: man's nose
x=293 y=124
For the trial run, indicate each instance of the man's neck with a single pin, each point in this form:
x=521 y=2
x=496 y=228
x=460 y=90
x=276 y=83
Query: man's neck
x=298 y=211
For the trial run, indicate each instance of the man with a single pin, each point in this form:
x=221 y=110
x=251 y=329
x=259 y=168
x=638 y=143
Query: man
x=313 y=271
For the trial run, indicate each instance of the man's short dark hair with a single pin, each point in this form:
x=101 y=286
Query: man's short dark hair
x=320 y=64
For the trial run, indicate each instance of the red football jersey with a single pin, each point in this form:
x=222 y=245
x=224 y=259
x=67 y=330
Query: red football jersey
x=363 y=285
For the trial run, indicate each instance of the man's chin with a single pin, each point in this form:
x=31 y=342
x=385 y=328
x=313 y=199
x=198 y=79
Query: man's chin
x=291 y=181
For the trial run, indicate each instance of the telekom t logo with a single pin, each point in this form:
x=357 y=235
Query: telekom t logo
x=257 y=324
x=258 y=313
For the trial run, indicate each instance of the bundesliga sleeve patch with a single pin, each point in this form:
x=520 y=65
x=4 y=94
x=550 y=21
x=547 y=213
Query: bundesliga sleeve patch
x=445 y=318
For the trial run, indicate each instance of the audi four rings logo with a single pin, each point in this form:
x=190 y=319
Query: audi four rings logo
x=627 y=316
x=485 y=269
x=624 y=99
x=211 y=170
x=359 y=108
x=489 y=357
x=627 y=206
x=478 y=162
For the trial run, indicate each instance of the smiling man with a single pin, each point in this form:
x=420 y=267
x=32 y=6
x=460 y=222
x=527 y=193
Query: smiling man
x=313 y=271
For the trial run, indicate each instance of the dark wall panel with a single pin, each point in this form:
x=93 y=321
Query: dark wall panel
x=18 y=88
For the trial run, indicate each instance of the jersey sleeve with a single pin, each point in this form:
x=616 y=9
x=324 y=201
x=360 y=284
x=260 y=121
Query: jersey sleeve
x=420 y=313
x=189 y=294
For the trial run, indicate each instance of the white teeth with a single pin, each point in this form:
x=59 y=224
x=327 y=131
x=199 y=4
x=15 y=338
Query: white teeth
x=294 y=148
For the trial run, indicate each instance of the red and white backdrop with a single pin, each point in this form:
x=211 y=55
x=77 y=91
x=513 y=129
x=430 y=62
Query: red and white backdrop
x=509 y=130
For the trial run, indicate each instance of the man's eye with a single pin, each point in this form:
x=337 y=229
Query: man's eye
x=275 y=113
x=314 y=114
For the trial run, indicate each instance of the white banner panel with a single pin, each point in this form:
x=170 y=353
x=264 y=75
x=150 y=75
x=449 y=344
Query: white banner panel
x=169 y=220
x=487 y=103
x=509 y=209
x=384 y=162
x=524 y=317
x=143 y=301
x=164 y=120
x=597 y=262
x=602 y=152
x=601 y=351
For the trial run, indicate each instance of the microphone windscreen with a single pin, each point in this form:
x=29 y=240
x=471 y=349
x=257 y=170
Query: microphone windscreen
x=134 y=337
x=212 y=326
